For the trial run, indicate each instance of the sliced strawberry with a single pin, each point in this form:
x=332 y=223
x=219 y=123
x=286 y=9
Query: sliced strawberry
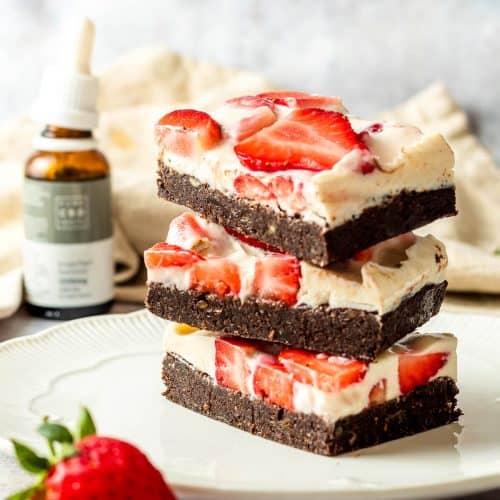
x=406 y=240
x=165 y=255
x=231 y=366
x=375 y=128
x=327 y=373
x=218 y=275
x=248 y=186
x=363 y=255
x=248 y=114
x=186 y=231
x=257 y=120
x=306 y=139
x=277 y=278
x=273 y=383
x=365 y=166
x=295 y=99
x=177 y=142
x=378 y=393
x=183 y=131
x=288 y=193
x=251 y=241
x=250 y=101
x=417 y=369
x=398 y=243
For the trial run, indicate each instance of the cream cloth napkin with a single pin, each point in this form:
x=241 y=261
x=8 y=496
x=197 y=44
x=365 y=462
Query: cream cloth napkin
x=144 y=84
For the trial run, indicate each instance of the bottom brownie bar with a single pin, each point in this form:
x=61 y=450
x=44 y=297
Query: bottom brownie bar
x=425 y=407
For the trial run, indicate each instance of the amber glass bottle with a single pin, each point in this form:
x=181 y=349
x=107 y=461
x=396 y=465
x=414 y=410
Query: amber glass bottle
x=81 y=165
x=67 y=259
x=68 y=263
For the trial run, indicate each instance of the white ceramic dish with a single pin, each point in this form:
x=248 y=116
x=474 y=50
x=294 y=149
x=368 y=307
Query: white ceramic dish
x=112 y=364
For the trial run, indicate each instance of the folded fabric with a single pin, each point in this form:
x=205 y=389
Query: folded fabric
x=141 y=86
x=473 y=237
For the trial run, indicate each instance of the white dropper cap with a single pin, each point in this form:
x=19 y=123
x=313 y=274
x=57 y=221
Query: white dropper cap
x=68 y=93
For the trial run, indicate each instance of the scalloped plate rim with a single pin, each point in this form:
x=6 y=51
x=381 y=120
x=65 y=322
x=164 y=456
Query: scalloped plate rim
x=459 y=486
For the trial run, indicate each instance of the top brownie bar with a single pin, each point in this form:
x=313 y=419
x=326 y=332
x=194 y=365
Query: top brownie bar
x=295 y=171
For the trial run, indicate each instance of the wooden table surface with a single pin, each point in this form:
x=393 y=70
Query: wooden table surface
x=22 y=324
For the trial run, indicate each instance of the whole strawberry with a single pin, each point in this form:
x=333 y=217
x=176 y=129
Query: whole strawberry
x=83 y=466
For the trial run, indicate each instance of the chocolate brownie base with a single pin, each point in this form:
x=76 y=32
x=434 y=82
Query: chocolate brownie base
x=308 y=240
x=427 y=407
x=353 y=333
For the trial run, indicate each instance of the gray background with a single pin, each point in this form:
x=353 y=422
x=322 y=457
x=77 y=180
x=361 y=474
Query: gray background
x=374 y=53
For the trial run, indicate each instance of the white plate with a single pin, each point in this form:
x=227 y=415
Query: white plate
x=112 y=364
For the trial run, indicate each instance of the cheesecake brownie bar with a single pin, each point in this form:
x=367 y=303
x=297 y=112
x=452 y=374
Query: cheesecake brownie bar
x=319 y=403
x=210 y=278
x=295 y=171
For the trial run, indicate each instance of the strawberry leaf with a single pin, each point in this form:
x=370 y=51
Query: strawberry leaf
x=28 y=459
x=26 y=494
x=85 y=426
x=55 y=433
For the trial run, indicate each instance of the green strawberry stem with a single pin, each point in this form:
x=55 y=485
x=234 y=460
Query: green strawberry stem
x=55 y=433
x=52 y=451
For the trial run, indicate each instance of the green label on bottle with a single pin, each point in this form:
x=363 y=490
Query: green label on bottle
x=67 y=212
x=68 y=260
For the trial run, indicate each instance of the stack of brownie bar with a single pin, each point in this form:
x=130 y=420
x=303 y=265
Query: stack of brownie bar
x=292 y=296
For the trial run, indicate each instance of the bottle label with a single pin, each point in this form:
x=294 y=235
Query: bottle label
x=68 y=258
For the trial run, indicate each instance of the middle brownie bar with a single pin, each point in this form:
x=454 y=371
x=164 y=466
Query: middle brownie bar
x=212 y=279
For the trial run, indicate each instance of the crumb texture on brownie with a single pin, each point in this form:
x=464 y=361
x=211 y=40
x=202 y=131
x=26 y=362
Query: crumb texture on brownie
x=344 y=332
x=305 y=239
x=426 y=407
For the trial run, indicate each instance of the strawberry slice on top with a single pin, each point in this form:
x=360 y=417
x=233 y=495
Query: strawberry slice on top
x=297 y=99
x=187 y=131
x=326 y=373
x=252 y=241
x=231 y=363
x=250 y=101
x=277 y=278
x=186 y=232
x=216 y=274
x=248 y=186
x=273 y=383
x=418 y=369
x=165 y=255
x=247 y=115
x=306 y=139
x=288 y=193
